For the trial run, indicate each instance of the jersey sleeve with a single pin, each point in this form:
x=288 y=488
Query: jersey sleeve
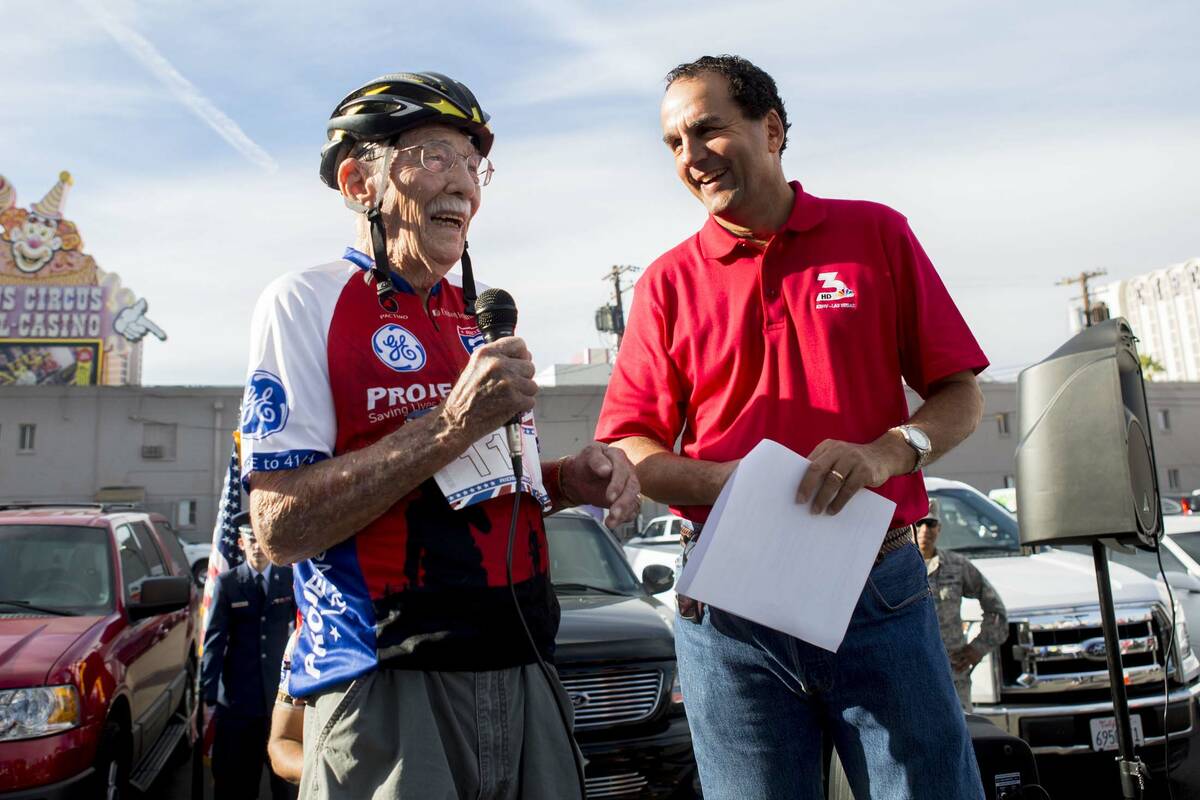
x=934 y=339
x=287 y=417
x=646 y=395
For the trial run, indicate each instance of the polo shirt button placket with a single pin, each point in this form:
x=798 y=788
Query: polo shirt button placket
x=772 y=305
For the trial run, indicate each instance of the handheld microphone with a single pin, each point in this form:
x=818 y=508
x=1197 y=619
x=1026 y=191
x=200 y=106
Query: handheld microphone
x=496 y=315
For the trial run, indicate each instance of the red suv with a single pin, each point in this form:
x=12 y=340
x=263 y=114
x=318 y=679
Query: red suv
x=97 y=650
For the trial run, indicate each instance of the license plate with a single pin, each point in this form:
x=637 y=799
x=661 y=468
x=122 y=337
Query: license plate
x=1104 y=732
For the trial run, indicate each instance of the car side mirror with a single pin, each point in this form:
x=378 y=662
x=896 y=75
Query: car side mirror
x=1183 y=581
x=658 y=578
x=161 y=595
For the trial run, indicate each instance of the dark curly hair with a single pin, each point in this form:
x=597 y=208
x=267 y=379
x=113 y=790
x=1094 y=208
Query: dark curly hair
x=752 y=89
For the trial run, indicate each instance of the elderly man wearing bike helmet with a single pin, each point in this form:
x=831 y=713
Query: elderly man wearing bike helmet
x=369 y=444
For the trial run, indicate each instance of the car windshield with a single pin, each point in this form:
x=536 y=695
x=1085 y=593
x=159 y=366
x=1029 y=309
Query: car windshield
x=63 y=568
x=974 y=525
x=1190 y=542
x=584 y=558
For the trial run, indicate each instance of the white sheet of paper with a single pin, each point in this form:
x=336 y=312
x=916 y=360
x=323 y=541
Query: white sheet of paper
x=764 y=557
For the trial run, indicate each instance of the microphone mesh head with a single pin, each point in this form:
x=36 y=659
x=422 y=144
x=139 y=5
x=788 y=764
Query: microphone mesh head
x=496 y=314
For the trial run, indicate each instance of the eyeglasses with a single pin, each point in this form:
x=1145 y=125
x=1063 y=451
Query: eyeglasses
x=439 y=157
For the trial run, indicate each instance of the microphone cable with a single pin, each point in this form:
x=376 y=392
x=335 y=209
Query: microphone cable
x=576 y=754
x=1168 y=654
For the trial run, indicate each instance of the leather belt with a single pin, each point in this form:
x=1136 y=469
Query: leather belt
x=895 y=539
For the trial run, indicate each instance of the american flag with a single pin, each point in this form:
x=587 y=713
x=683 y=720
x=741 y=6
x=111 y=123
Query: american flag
x=225 y=552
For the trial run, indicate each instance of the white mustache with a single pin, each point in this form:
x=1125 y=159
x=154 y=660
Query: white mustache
x=450 y=205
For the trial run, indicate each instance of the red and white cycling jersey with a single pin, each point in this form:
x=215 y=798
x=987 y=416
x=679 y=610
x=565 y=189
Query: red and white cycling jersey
x=333 y=369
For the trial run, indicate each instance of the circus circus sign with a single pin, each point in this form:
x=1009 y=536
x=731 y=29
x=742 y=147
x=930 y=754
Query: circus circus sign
x=62 y=318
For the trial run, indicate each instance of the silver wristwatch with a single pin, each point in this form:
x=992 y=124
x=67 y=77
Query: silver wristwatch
x=918 y=440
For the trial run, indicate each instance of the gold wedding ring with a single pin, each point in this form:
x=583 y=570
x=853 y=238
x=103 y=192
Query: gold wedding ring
x=841 y=478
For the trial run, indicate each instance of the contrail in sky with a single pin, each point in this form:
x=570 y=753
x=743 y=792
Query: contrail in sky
x=140 y=48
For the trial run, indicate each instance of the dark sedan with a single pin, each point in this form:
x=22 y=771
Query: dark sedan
x=616 y=656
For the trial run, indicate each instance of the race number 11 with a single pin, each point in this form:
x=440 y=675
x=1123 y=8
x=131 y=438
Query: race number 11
x=489 y=457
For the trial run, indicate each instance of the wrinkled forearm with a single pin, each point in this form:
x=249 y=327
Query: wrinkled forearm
x=674 y=479
x=301 y=512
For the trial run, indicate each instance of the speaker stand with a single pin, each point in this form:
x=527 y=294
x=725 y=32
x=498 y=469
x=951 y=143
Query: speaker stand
x=1132 y=770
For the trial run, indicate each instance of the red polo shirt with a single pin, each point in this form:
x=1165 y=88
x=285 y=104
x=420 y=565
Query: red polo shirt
x=804 y=341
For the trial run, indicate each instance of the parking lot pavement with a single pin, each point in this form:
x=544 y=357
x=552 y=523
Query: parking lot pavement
x=176 y=783
x=1064 y=779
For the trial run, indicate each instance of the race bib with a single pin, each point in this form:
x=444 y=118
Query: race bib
x=485 y=470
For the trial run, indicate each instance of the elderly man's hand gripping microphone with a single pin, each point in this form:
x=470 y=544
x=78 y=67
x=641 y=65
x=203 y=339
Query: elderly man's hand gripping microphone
x=496 y=315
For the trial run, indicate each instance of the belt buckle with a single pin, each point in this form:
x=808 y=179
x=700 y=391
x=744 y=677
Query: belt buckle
x=689 y=608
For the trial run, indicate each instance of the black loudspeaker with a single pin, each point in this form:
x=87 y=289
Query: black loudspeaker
x=1085 y=460
x=1006 y=765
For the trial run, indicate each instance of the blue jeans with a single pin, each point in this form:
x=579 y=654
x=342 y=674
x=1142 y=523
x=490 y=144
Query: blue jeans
x=759 y=701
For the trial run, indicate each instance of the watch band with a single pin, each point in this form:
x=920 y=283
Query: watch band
x=923 y=453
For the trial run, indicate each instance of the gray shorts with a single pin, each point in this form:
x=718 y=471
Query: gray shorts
x=401 y=734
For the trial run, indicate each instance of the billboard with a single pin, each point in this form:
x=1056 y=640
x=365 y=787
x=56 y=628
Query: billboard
x=62 y=318
x=50 y=362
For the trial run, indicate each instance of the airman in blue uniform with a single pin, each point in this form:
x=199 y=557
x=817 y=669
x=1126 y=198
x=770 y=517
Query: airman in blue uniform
x=252 y=613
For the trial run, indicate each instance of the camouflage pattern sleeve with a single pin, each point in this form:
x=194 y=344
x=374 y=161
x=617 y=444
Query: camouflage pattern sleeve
x=994 y=629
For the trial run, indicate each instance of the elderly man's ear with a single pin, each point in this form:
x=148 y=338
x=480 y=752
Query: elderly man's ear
x=354 y=183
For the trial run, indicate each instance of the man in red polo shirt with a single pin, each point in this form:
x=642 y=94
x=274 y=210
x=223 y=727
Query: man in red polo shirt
x=797 y=318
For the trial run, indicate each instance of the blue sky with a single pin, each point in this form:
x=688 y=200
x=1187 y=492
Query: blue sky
x=1024 y=143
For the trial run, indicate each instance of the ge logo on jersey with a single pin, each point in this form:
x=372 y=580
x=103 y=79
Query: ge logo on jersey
x=398 y=348
x=264 y=406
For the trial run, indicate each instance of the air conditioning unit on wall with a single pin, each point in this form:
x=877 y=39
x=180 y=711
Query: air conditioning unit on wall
x=152 y=451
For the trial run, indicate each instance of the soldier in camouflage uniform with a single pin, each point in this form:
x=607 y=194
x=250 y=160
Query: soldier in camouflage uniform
x=951 y=578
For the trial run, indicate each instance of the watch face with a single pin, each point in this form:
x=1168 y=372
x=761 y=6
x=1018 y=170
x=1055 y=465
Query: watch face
x=918 y=437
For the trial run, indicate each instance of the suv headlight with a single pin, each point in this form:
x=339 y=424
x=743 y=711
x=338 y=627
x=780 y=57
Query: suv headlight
x=676 y=693
x=38 y=711
x=1183 y=643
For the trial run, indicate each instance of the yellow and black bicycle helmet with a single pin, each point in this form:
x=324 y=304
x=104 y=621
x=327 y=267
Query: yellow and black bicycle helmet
x=391 y=104
x=379 y=111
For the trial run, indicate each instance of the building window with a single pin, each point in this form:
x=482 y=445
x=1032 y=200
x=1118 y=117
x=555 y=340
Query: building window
x=1004 y=424
x=158 y=441
x=185 y=514
x=25 y=438
x=1164 y=419
x=1173 y=478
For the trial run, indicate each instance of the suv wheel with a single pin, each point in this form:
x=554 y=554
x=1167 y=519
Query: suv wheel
x=112 y=764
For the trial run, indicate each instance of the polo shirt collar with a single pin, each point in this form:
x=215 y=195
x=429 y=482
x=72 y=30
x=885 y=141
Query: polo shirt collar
x=807 y=212
x=364 y=262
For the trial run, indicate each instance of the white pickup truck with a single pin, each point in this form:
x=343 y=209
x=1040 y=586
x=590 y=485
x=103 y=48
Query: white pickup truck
x=1048 y=683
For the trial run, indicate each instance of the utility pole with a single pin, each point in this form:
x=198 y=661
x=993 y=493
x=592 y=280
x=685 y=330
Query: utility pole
x=618 y=314
x=1082 y=280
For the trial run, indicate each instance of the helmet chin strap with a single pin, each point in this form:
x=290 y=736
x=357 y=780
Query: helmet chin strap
x=381 y=271
x=468 y=277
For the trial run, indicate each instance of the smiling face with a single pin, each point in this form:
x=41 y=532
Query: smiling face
x=426 y=214
x=432 y=211
x=724 y=158
x=35 y=243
